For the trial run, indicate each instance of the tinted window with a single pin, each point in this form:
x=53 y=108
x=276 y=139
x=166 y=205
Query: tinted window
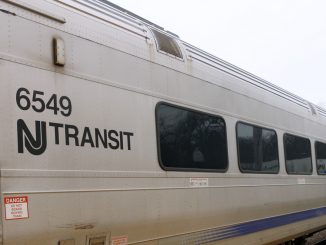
x=257 y=148
x=189 y=139
x=321 y=157
x=297 y=154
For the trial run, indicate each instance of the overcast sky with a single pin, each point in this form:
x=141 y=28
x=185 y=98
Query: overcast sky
x=282 y=41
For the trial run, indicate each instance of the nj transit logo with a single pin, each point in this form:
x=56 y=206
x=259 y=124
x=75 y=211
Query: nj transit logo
x=35 y=142
x=35 y=146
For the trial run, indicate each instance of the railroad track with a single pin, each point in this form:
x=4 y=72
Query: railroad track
x=317 y=239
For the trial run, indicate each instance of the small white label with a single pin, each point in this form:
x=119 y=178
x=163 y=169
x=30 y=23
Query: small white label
x=16 y=207
x=301 y=181
x=198 y=182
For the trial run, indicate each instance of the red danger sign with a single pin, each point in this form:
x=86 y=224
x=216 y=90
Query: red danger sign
x=16 y=207
x=119 y=240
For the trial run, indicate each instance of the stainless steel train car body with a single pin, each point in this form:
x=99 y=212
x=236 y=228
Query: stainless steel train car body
x=114 y=77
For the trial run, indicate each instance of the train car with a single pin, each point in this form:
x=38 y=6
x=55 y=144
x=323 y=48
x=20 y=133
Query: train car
x=115 y=131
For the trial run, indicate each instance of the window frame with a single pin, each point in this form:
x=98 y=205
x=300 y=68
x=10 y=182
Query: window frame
x=165 y=168
x=317 y=141
x=285 y=155
x=238 y=150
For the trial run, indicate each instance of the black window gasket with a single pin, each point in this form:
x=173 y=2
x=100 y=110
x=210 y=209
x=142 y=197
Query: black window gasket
x=238 y=151
x=285 y=155
x=166 y=168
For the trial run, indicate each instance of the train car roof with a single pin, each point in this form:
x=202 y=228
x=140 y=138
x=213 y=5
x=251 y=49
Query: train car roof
x=133 y=20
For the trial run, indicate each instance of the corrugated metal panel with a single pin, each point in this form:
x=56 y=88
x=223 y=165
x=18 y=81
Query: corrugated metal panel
x=35 y=10
x=321 y=111
x=108 y=14
x=208 y=59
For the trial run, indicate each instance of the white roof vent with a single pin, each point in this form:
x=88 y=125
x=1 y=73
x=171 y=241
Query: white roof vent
x=167 y=44
x=312 y=109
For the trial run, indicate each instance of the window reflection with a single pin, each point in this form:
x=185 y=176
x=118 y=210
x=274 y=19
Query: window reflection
x=297 y=154
x=258 y=150
x=191 y=140
x=321 y=157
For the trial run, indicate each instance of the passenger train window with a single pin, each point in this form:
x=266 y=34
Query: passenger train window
x=320 y=157
x=257 y=149
x=297 y=154
x=190 y=140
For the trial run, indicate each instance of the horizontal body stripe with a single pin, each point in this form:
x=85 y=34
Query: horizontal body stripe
x=250 y=227
x=142 y=189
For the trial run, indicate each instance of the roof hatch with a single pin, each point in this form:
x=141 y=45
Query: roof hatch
x=167 y=44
